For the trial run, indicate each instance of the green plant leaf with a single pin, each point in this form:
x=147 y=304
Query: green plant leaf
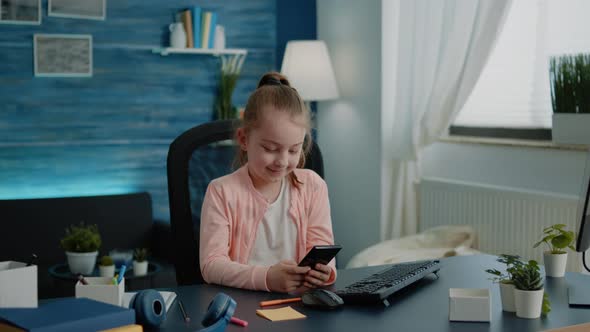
x=560 y=241
x=494 y=272
x=546 y=307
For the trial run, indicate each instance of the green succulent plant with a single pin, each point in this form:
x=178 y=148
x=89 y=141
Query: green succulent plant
x=512 y=263
x=528 y=277
x=106 y=261
x=140 y=254
x=81 y=238
x=557 y=239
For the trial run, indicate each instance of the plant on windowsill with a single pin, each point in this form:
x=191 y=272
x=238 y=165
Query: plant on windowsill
x=106 y=267
x=529 y=296
x=569 y=76
x=505 y=281
x=140 y=262
x=557 y=239
x=231 y=66
x=81 y=244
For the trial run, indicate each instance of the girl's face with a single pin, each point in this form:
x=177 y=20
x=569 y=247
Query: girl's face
x=274 y=147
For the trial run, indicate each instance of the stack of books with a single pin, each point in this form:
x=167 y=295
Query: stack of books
x=200 y=26
x=69 y=315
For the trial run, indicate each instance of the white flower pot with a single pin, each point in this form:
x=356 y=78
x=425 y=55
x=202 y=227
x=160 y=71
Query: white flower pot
x=571 y=128
x=81 y=262
x=554 y=264
x=507 y=296
x=106 y=271
x=528 y=303
x=140 y=268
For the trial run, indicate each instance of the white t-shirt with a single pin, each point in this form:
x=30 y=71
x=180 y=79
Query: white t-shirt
x=276 y=233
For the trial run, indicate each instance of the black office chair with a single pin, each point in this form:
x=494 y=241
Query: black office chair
x=196 y=157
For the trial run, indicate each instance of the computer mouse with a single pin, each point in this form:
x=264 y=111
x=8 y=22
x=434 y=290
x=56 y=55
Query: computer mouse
x=321 y=298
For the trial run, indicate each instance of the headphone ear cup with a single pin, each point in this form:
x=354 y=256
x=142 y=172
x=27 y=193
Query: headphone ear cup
x=150 y=308
x=216 y=310
x=132 y=301
x=219 y=313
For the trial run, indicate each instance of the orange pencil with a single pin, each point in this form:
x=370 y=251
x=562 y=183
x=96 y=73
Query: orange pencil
x=281 y=301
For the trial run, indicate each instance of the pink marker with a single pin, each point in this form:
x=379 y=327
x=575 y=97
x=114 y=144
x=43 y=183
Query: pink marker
x=238 y=321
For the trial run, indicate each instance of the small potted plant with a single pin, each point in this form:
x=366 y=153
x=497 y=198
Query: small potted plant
x=106 y=266
x=512 y=263
x=140 y=263
x=529 y=296
x=569 y=76
x=81 y=244
x=557 y=238
x=231 y=66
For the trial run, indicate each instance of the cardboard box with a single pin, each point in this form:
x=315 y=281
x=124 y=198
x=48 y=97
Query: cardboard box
x=101 y=289
x=18 y=285
x=470 y=305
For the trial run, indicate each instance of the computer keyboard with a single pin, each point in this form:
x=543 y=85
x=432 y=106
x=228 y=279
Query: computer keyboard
x=379 y=286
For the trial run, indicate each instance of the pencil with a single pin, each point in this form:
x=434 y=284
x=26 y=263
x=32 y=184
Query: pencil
x=281 y=301
x=187 y=319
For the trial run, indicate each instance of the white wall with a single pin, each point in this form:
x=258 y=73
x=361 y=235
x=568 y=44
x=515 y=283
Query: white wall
x=349 y=128
x=540 y=169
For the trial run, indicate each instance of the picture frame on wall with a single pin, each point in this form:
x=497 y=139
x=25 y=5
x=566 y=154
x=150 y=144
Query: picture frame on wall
x=81 y=9
x=62 y=55
x=20 y=12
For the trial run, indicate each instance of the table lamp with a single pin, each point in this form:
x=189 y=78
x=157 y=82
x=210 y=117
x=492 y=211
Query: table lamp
x=307 y=66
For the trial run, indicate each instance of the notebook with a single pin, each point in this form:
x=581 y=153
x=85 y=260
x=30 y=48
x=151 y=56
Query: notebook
x=66 y=315
x=169 y=298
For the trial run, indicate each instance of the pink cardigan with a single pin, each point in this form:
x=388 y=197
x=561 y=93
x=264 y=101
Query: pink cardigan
x=232 y=210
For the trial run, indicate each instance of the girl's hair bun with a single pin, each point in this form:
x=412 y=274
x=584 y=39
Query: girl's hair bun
x=273 y=78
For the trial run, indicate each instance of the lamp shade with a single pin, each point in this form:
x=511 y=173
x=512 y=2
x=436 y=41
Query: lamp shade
x=307 y=66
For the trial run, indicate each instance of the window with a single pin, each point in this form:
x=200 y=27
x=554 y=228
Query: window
x=512 y=94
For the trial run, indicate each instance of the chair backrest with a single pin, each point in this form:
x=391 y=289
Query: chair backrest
x=196 y=157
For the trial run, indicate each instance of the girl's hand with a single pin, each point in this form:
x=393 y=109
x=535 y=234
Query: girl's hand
x=318 y=276
x=286 y=276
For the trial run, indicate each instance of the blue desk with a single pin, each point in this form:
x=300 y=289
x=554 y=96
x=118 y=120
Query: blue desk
x=421 y=307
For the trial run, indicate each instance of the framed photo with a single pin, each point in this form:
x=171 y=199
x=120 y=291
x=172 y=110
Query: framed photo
x=84 y=9
x=20 y=12
x=62 y=55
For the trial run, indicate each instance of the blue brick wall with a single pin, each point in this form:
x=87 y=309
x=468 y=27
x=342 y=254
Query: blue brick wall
x=110 y=133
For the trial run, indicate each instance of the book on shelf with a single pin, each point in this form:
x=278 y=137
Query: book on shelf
x=205 y=29
x=66 y=315
x=187 y=23
x=196 y=15
x=212 y=25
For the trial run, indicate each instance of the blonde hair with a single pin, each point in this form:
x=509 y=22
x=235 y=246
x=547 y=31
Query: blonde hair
x=274 y=90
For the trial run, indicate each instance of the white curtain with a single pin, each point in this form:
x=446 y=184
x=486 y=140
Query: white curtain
x=442 y=46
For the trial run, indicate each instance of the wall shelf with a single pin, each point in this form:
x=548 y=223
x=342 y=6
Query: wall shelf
x=169 y=50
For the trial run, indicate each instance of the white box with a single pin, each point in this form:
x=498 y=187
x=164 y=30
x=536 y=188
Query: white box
x=470 y=304
x=18 y=285
x=101 y=289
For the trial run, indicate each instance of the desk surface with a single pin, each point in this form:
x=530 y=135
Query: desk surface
x=421 y=307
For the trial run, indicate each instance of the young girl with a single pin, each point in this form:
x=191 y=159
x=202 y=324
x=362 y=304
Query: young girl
x=259 y=221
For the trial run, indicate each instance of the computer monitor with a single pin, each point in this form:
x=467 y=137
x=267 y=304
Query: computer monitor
x=578 y=290
x=583 y=242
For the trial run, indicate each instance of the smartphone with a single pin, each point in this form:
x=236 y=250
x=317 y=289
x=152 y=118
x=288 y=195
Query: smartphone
x=320 y=254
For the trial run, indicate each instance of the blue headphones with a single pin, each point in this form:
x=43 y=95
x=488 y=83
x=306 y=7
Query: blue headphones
x=150 y=310
x=219 y=313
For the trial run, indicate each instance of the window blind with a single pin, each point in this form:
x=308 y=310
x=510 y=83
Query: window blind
x=513 y=90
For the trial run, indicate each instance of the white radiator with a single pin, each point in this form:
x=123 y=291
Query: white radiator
x=507 y=220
